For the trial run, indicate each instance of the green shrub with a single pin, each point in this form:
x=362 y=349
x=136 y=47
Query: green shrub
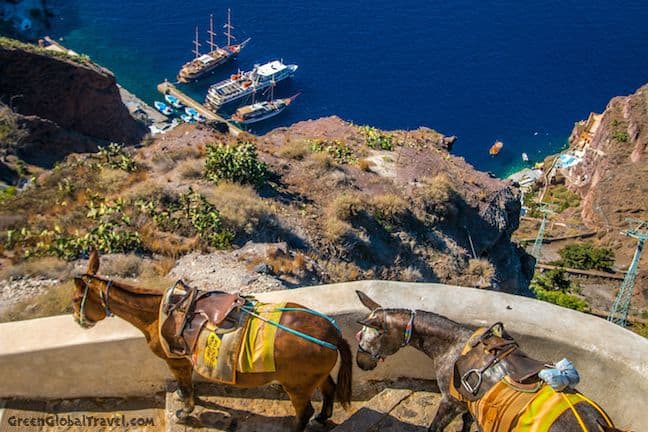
x=189 y=214
x=337 y=149
x=562 y=198
x=586 y=257
x=237 y=163
x=621 y=136
x=115 y=156
x=376 y=139
x=561 y=299
x=554 y=286
x=7 y=192
x=111 y=232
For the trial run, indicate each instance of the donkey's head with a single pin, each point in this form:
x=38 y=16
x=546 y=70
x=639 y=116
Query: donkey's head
x=87 y=302
x=383 y=333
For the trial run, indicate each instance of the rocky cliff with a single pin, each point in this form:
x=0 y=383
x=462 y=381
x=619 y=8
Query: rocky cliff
x=59 y=104
x=611 y=178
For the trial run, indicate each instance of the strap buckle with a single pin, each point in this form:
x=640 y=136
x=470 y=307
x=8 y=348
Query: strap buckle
x=464 y=380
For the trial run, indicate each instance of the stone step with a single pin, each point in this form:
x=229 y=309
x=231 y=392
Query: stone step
x=374 y=411
x=228 y=409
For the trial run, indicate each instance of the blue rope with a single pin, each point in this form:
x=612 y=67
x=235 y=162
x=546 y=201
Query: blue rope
x=312 y=312
x=289 y=330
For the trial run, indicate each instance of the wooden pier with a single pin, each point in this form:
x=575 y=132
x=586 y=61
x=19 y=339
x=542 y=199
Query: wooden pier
x=168 y=88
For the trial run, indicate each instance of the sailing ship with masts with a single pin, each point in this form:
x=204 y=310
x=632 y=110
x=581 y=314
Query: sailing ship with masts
x=203 y=64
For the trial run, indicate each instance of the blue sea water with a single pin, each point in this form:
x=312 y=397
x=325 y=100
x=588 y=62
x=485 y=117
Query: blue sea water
x=519 y=72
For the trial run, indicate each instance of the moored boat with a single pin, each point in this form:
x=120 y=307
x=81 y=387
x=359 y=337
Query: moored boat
x=163 y=108
x=187 y=118
x=203 y=64
x=525 y=157
x=244 y=84
x=496 y=148
x=261 y=110
x=174 y=101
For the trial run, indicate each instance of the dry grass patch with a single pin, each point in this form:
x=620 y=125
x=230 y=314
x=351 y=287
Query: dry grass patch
x=340 y=271
x=122 y=265
x=365 y=164
x=191 y=169
x=46 y=267
x=294 y=150
x=167 y=244
x=320 y=162
x=389 y=206
x=346 y=206
x=241 y=208
x=437 y=196
x=287 y=264
x=56 y=300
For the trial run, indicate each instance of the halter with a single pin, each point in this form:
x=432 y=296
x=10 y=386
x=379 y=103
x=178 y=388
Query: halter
x=407 y=337
x=103 y=297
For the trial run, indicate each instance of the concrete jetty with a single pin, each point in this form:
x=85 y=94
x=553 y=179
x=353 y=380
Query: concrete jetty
x=168 y=88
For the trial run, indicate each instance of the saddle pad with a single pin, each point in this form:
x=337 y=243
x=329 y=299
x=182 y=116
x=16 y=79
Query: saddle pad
x=216 y=354
x=257 y=354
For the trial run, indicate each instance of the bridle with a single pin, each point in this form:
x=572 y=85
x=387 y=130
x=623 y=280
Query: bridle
x=103 y=297
x=407 y=337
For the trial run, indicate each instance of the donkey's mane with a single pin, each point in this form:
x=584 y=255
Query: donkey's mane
x=130 y=288
x=433 y=323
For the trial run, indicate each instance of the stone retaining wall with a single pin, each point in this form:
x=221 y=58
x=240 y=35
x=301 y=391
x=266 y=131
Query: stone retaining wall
x=55 y=358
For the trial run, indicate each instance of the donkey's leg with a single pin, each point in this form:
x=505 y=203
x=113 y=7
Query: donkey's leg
x=328 y=395
x=303 y=407
x=448 y=410
x=468 y=420
x=182 y=371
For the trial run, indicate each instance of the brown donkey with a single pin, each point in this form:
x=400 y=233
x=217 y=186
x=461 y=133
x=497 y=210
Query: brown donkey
x=301 y=366
x=385 y=331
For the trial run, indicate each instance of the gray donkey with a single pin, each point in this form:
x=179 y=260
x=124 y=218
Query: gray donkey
x=385 y=331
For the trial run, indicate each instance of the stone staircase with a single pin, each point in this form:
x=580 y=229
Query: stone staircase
x=390 y=410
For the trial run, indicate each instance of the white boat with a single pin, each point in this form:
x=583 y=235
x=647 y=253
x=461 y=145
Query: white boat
x=525 y=157
x=173 y=100
x=244 y=84
x=259 y=111
x=163 y=108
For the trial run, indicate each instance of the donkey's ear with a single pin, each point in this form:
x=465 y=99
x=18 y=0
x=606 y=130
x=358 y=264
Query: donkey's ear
x=369 y=304
x=93 y=262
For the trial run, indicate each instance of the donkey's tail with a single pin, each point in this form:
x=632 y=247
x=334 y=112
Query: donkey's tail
x=345 y=374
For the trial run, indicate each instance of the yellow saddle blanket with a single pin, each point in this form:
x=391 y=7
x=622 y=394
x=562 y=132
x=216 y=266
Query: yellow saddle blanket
x=250 y=348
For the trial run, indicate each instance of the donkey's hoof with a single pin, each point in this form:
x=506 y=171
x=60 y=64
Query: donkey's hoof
x=321 y=419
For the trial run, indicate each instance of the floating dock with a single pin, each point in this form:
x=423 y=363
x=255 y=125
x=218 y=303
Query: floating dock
x=168 y=88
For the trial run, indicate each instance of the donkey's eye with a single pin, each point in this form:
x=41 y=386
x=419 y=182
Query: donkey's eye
x=370 y=332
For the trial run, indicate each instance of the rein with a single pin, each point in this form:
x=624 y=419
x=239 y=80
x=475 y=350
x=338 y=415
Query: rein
x=104 y=299
x=293 y=331
x=407 y=336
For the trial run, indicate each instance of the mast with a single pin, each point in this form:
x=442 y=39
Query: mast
x=212 y=45
x=196 y=45
x=229 y=28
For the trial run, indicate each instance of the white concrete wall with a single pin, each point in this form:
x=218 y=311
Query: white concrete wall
x=55 y=358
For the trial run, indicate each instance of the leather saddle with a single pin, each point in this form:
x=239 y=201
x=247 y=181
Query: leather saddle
x=489 y=356
x=188 y=310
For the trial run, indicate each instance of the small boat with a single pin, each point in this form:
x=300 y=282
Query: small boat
x=173 y=101
x=163 y=108
x=525 y=157
x=187 y=118
x=496 y=148
x=192 y=112
x=261 y=110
